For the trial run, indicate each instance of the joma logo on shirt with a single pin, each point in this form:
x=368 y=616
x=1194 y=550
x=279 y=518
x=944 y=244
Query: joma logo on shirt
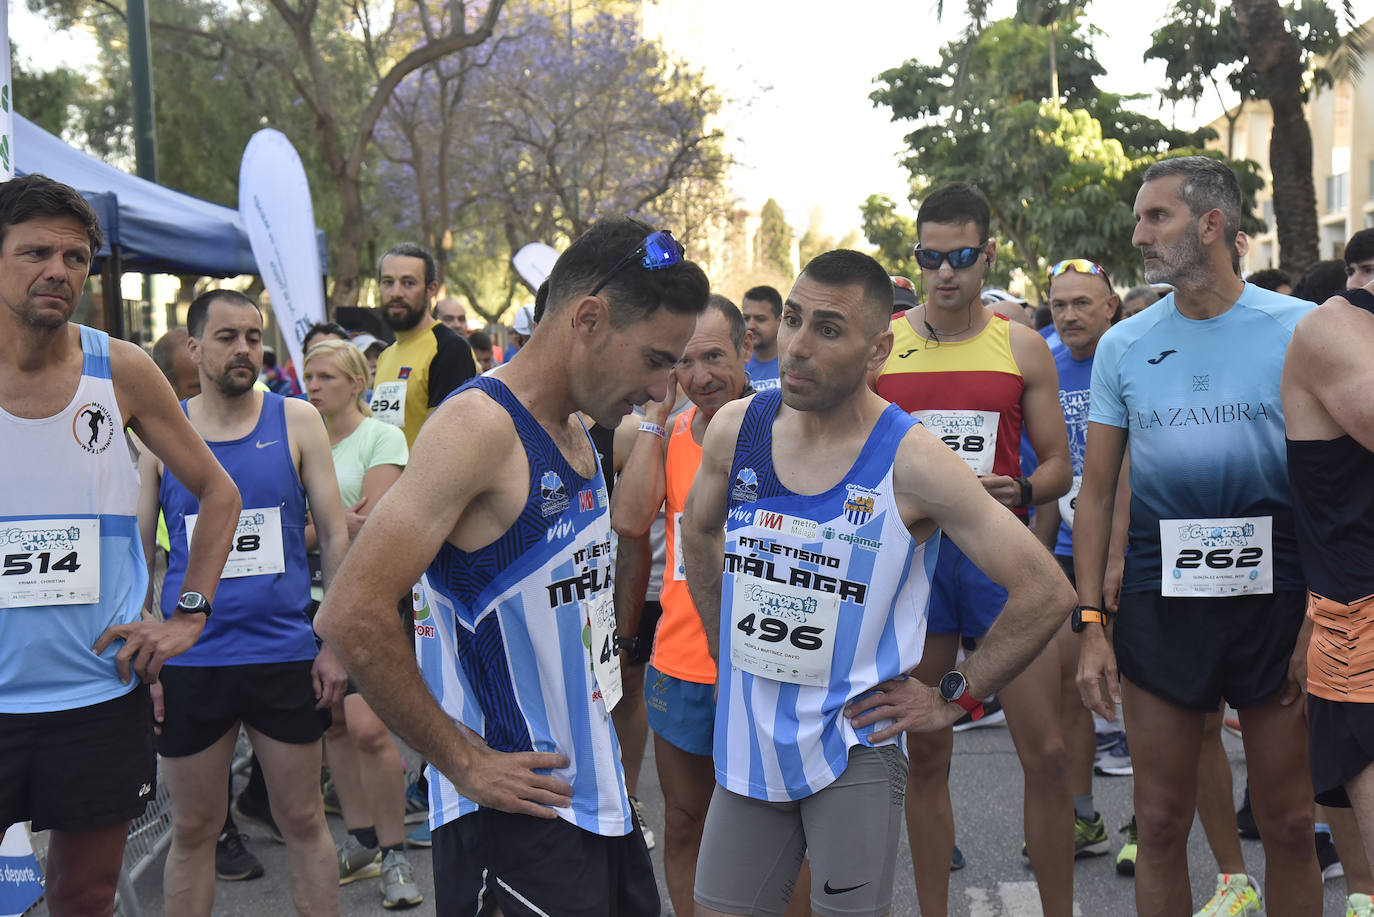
x=1201 y=416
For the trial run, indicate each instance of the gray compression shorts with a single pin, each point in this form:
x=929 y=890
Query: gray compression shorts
x=751 y=849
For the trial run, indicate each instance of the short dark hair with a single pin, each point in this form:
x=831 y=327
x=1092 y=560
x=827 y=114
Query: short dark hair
x=843 y=267
x=766 y=294
x=198 y=313
x=1360 y=247
x=165 y=351
x=479 y=340
x=1208 y=184
x=1321 y=281
x=732 y=315
x=32 y=196
x=411 y=250
x=541 y=301
x=323 y=328
x=1270 y=278
x=635 y=293
x=1144 y=291
x=954 y=204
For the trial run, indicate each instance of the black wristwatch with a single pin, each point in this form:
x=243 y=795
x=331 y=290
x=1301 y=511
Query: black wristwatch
x=1025 y=485
x=627 y=644
x=1086 y=614
x=194 y=603
x=954 y=689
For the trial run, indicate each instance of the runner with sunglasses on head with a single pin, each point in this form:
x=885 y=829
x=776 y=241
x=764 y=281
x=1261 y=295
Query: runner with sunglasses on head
x=974 y=377
x=502 y=515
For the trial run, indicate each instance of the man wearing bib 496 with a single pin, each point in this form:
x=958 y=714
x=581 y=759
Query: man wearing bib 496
x=504 y=511
x=812 y=583
x=76 y=731
x=1212 y=597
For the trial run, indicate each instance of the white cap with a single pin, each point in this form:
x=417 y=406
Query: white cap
x=365 y=342
x=997 y=294
x=524 y=321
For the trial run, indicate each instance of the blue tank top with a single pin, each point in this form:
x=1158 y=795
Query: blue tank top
x=70 y=481
x=504 y=639
x=1075 y=383
x=258 y=616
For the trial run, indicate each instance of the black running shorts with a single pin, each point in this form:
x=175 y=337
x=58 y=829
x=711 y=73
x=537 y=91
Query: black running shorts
x=1340 y=739
x=205 y=702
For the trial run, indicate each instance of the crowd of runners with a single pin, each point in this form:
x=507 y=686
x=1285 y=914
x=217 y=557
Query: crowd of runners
x=796 y=539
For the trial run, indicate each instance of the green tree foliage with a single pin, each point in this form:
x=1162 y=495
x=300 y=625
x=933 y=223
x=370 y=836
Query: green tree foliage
x=48 y=98
x=892 y=233
x=773 y=243
x=1060 y=174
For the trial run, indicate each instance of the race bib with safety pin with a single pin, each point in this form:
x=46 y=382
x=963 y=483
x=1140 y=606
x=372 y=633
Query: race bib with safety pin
x=1069 y=502
x=49 y=562
x=389 y=402
x=971 y=434
x=257 y=547
x=783 y=632
x=605 y=659
x=1210 y=558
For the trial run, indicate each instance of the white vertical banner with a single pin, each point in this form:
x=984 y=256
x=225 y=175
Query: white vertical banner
x=6 y=100
x=21 y=881
x=274 y=203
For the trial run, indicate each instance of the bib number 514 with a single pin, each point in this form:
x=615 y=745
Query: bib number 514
x=24 y=562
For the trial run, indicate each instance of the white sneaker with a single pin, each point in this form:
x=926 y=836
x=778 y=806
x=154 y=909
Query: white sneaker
x=1235 y=896
x=643 y=825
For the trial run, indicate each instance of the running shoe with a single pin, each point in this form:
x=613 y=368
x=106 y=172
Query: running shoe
x=1232 y=725
x=1090 y=836
x=398 y=882
x=992 y=716
x=1245 y=818
x=956 y=861
x=1115 y=762
x=643 y=825
x=1359 y=906
x=1235 y=896
x=417 y=803
x=358 y=862
x=1125 y=858
x=420 y=837
x=233 y=861
x=1107 y=739
x=1327 y=858
x=331 y=798
x=258 y=811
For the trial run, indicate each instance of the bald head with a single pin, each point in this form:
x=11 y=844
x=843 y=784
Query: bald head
x=451 y=312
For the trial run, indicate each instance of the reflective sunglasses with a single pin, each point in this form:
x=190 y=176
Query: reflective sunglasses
x=929 y=259
x=659 y=250
x=1080 y=266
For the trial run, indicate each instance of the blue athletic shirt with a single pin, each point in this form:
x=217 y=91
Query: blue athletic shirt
x=763 y=375
x=258 y=617
x=1200 y=403
x=504 y=641
x=75 y=466
x=788 y=558
x=1075 y=384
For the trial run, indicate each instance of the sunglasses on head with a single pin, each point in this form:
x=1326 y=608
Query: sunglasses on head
x=659 y=250
x=1080 y=266
x=930 y=259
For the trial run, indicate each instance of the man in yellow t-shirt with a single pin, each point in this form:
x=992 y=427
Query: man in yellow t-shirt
x=428 y=360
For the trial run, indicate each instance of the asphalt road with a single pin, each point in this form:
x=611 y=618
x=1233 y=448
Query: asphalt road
x=987 y=792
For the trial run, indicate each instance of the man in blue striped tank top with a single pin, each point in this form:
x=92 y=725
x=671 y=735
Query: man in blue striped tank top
x=813 y=582
x=502 y=515
x=75 y=659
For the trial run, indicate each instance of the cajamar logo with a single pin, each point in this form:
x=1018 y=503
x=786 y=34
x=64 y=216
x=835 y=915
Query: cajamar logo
x=93 y=427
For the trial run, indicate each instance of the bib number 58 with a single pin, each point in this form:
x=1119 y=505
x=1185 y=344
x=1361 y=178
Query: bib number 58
x=772 y=630
x=972 y=442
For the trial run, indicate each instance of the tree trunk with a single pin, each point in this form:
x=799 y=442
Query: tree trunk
x=1272 y=54
x=348 y=249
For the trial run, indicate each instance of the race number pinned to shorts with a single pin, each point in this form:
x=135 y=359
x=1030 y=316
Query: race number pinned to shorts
x=49 y=562
x=605 y=659
x=1208 y=558
x=256 y=549
x=679 y=564
x=782 y=632
x=971 y=434
x=1069 y=502
x=389 y=402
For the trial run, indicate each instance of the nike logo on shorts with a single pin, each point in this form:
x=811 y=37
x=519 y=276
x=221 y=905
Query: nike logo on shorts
x=841 y=891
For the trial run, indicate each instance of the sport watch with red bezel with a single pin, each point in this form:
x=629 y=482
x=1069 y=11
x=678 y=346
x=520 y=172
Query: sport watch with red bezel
x=954 y=689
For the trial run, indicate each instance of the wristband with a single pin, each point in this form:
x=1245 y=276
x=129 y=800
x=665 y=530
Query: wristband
x=647 y=427
x=1025 y=485
x=1086 y=614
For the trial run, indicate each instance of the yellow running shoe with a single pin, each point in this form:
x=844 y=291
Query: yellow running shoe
x=1235 y=895
x=1359 y=906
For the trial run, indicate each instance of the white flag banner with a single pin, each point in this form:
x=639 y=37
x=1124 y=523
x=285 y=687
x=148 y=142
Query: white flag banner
x=6 y=102
x=274 y=203
x=21 y=880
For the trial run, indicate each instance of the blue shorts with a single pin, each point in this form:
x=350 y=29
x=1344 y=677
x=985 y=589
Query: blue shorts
x=963 y=600
x=682 y=713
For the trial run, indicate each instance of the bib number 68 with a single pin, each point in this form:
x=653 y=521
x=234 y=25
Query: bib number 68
x=772 y=630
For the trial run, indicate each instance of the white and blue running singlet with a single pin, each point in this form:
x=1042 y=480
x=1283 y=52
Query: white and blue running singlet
x=823 y=597
x=70 y=552
x=505 y=643
x=1199 y=401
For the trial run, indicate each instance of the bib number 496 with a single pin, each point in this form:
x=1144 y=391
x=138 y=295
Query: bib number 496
x=772 y=630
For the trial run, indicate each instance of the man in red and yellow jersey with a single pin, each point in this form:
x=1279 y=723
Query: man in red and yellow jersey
x=680 y=684
x=975 y=379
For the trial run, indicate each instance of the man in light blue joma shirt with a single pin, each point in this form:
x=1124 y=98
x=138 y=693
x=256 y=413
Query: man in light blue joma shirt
x=1212 y=598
